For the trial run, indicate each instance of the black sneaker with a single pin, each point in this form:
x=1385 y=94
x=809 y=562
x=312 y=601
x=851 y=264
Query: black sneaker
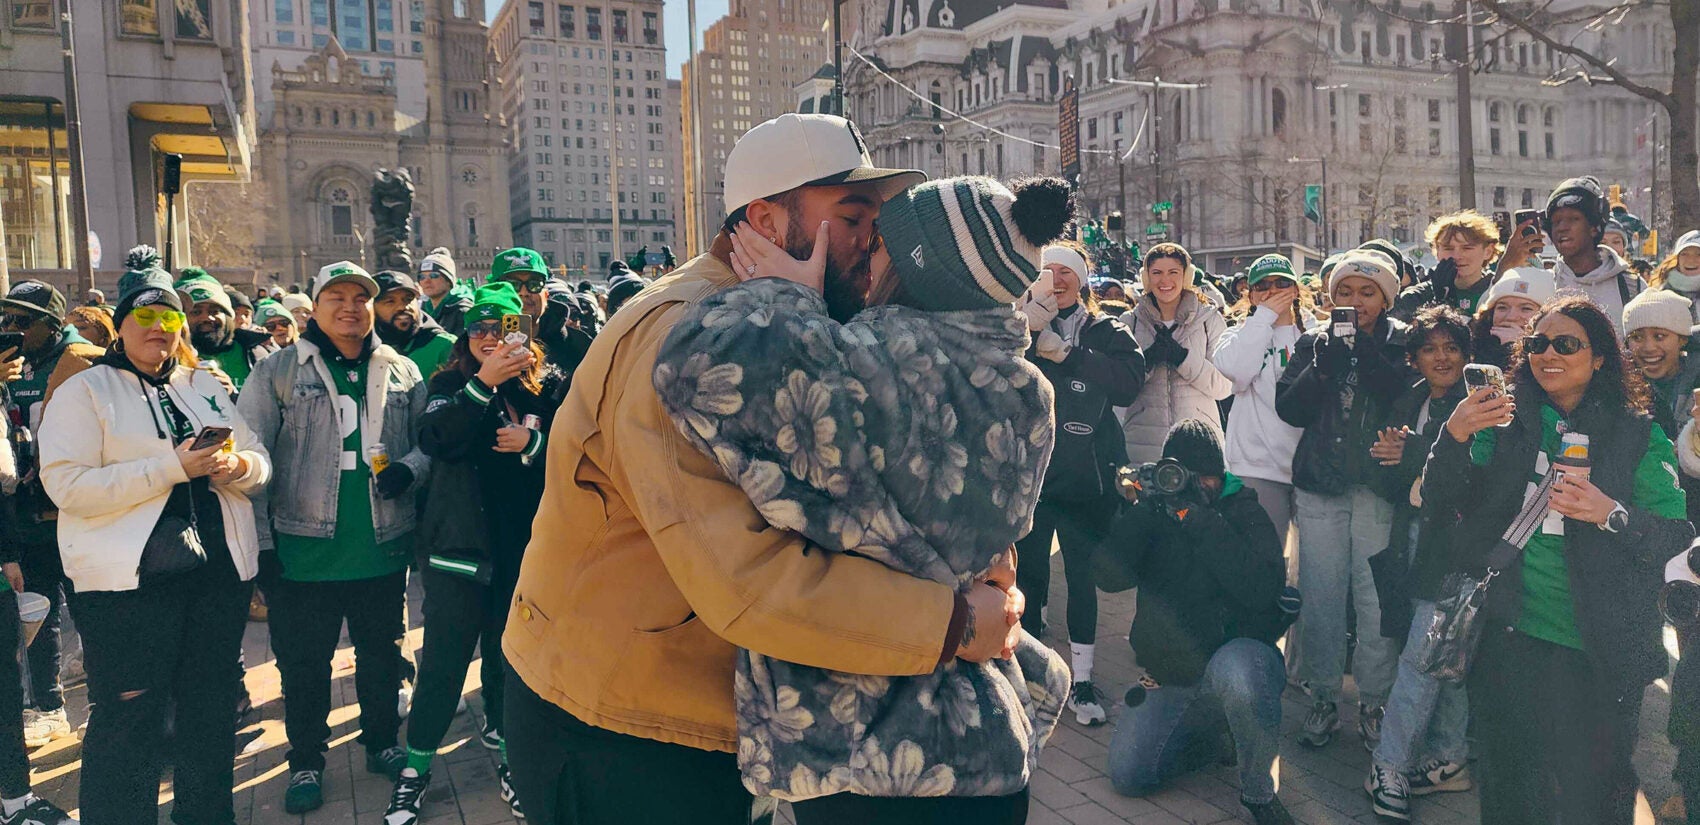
x=404 y=801
x=38 y=811
x=506 y=777
x=490 y=738
x=306 y=792
x=387 y=762
x=1087 y=704
x=1269 y=813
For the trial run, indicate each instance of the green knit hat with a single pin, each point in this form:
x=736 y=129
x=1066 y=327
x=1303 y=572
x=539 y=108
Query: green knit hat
x=969 y=242
x=1268 y=266
x=205 y=288
x=518 y=259
x=494 y=300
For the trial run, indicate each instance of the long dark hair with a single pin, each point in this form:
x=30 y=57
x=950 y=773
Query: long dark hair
x=460 y=360
x=1614 y=385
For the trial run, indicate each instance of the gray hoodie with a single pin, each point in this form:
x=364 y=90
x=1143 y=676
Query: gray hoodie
x=1611 y=284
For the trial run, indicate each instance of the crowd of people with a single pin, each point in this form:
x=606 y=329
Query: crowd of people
x=779 y=525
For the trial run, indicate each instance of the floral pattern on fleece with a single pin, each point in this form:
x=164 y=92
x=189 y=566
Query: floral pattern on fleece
x=915 y=439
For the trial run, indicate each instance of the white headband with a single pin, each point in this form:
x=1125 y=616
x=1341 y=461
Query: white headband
x=1064 y=256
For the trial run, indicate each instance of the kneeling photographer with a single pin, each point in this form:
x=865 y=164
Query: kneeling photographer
x=1208 y=566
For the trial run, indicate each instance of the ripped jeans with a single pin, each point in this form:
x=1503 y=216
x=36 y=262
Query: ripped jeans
x=143 y=649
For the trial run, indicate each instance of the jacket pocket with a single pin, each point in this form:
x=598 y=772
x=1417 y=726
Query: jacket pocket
x=698 y=666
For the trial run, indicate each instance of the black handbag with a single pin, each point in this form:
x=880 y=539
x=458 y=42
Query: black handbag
x=1449 y=645
x=174 y=547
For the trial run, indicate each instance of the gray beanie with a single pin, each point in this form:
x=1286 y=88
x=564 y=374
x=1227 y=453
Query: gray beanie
x=1662 y=308
x=438 y=261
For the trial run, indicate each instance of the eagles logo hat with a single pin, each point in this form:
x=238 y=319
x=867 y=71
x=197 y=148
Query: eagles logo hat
x=343 y=272
x=795 y=150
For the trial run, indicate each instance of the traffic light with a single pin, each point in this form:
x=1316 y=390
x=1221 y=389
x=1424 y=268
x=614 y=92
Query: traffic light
x=1113 y=223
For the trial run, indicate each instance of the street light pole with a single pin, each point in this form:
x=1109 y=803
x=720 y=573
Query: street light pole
x=1322 y=222
x=837 y=60
x=74 y=150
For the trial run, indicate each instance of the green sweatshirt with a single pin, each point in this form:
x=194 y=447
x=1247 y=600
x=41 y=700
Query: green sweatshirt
x=1548 y=612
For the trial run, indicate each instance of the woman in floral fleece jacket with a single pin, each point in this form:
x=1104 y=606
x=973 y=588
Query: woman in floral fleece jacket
x=915 y=434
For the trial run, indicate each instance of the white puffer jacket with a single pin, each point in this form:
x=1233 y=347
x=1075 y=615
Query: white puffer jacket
x=1173 y=394
x=106 y=465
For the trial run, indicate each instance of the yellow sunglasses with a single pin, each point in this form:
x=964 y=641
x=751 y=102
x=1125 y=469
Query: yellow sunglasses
x=168 y=320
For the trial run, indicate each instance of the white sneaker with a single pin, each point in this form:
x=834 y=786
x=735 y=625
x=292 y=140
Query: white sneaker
x=1389 y=794
x=1087 y=704
x=42 y=727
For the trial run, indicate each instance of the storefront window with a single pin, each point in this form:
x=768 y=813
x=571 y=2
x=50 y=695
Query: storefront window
x=33 y=216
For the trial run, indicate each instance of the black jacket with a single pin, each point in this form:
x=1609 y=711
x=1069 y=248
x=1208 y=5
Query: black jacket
x=1427 y=294
x=1204 y=580
x=1333 y=452
x=1404 y=572
x=451 y=316
x=480 y=503
x=1104 y=370
x=1614 y=577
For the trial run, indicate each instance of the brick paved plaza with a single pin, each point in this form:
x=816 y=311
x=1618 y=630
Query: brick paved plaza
x=1320 y=787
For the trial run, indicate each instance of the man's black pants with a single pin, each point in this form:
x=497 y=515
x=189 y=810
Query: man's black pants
x=306 y=624
x=569 y=773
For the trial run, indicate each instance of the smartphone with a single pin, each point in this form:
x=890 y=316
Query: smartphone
x=520 y=323
x=1535 y=216
x=1502 y=219
x=1343 y=322
x=11 y=341
x=210 y=437
x=1477 y=376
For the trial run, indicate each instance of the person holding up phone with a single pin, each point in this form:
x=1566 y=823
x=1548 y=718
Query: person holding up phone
x=1339 y=388
x=1466 y=243
x=553 y=309
x=154 y=470
x=479 y=504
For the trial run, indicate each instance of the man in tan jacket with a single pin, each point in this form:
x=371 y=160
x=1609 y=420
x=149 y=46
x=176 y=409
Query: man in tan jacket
x=647 y=568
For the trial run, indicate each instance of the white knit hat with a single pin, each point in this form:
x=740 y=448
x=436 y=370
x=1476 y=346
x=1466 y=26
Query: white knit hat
x=1659 y=308
x=1368 y=263
x=1531 y=282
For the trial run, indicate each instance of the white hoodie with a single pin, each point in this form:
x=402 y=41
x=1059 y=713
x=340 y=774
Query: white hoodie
x=1253 y=355
x=1602 y=284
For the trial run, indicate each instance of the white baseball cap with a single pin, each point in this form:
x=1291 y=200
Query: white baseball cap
x=795 y=150
x=343 y=271
x=1689 y=239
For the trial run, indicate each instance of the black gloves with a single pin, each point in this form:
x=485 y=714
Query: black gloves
x=1164 y=349
x=394 y=480
x=1333 y=356
x=1444 y=277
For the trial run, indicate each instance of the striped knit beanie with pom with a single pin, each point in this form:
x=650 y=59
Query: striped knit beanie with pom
x=958 y=243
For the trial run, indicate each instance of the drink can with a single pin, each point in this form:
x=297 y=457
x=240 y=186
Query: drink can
x=1573 y=455
x=530 y=422
x=378 y=458
x=229 y=445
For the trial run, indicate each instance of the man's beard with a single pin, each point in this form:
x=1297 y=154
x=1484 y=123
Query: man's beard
x=395 y=335
x=217 y=340
x=845 y=291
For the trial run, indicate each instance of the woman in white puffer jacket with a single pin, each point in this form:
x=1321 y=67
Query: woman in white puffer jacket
x=1177 y=330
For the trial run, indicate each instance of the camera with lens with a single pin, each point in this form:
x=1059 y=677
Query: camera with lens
x=1164 y=477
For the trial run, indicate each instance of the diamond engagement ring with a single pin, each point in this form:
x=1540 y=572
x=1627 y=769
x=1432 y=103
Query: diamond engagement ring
x=751 y=269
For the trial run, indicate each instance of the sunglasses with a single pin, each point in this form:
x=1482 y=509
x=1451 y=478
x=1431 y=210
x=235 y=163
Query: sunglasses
x=168 y=320
x=278 y=326
x=1272 y=284
x=520 y=285
x=485 y=329
x=1564 y=344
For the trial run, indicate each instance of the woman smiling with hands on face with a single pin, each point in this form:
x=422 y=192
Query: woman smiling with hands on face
x=1573 y=631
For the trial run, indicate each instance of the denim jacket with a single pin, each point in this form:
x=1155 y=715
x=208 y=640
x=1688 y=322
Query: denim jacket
x=288 y=402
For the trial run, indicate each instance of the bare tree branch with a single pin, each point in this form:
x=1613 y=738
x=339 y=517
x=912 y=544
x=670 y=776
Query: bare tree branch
x=1601 y=66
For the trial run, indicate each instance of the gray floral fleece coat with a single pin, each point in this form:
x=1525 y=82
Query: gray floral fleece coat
x=918 y=439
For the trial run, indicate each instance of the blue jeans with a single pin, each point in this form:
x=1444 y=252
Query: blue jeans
x=1425 y=716
x=1337 y=535
x=1242 y=685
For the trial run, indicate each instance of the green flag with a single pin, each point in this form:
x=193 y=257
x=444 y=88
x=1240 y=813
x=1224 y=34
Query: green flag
x=1313 y=202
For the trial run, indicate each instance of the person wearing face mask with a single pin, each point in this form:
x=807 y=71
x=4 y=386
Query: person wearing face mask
x=1504 y=314
x=1576 y=222
x=1680 y=273
x=158 y=536
x=402 y=324
x=1572 y=634
x=1465 y=243
x=1177 y=330
x=1422 y=748
x=1339 y=388
x=1095 y=362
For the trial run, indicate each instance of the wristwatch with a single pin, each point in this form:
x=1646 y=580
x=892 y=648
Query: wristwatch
x=1617 y=520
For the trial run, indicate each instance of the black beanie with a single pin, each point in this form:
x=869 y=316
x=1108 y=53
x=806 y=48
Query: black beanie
x=1582 y=194
x=1197 y=445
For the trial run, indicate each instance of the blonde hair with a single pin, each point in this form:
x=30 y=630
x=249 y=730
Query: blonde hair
x=1476 y=226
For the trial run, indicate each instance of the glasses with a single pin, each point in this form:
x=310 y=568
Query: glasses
x=1272 y=284
x=277 y=326
x=1564 y=344
x=168 y=320
x=525 y=285
x=486 y=329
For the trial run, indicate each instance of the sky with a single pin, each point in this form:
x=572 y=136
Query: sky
x=673 y=18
